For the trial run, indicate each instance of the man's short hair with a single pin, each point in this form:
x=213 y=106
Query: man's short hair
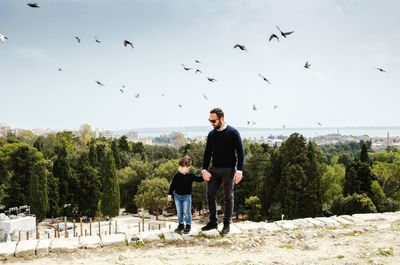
x=185 y=161
x=219 y=112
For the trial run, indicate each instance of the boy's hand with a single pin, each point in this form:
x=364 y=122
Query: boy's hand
x=206 y=175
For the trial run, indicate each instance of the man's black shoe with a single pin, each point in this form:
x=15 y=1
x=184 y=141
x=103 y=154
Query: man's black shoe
x=187 y=229
x=179 y=228
x=225 y=229
x=209 y=226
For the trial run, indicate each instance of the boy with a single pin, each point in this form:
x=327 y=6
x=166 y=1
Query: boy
x=182 y=186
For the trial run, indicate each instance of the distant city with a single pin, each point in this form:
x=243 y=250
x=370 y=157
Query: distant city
x=381 y=137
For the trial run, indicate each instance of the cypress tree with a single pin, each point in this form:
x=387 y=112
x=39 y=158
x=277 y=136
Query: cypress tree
x=364 y=154
x=110 y=202
x=116 y=154
x=38 y=190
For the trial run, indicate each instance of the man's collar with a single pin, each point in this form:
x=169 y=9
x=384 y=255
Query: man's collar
x=223 y=127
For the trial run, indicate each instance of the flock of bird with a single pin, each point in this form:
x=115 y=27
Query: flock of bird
x=127 y=43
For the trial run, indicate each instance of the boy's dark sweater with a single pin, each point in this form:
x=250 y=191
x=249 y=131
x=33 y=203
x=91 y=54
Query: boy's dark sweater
x=182 y=184
x=225 y=148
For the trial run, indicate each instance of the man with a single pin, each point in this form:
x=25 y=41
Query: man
x=224 y=146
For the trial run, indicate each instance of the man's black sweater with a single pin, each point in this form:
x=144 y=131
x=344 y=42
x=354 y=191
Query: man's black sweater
x=223 y=147
x=182 y=183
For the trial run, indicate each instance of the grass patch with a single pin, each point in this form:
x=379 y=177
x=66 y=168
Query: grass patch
x=385 y=252
x=138 y=244
x=287 y=246
x=340 y=257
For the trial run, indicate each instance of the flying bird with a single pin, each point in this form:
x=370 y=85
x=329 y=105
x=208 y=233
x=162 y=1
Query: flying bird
x=3 y=38
x=33 y=5
x=196 y=61
x=307 y=65
x=264 y=78
x=240 y=47
x=59 y=69
x=283 y=126
x=248 y=122
x=186 y=68
x=211 y=79
x=122 y=91
x=273 y=36
x=97 y=40
x=380 y=69
x=99 y=83
x=254 y=108
x=127 y=42
x=320 y=124
x=77 y=39
x=180 y=105
x=137 y=95
x=284 y=34
x=198 y=71
x=275 y=106
x=204 y=96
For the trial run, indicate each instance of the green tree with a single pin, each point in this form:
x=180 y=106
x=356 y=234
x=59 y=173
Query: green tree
x=358 y=178
x=53 y=195
x=167 y=169
x=152 y=194
x=110 y=201
x=115 y=151
x=378 y=195
x=253 y=205
x=364 y=154
x=89 y=187
x=38 y=190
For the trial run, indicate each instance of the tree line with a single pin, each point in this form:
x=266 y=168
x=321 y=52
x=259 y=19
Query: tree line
x=67 y=174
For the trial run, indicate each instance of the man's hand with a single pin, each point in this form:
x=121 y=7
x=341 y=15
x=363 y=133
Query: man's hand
x=237 y=177
x=169 y=198
x=206 y=175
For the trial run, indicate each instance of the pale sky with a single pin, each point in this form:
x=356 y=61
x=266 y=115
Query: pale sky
x=344 y=40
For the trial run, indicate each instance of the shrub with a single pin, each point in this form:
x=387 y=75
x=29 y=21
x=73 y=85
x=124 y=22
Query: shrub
x=355 y=203
x=253 y=205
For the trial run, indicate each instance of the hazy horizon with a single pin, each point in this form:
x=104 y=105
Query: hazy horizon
x=344 y=41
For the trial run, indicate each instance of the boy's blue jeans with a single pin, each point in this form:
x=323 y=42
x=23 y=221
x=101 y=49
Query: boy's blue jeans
x=183 y=205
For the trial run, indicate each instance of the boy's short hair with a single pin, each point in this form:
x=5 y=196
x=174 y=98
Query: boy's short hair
x=185 y=161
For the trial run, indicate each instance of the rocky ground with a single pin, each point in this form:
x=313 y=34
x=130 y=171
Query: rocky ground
x=375 y=241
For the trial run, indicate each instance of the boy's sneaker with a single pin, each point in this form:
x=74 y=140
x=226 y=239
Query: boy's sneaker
x=225 y=230
x=209 y=226
x=179 y=228
x=187 y=229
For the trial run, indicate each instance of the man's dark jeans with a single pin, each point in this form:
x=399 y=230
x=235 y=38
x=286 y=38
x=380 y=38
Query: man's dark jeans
x=219 y=175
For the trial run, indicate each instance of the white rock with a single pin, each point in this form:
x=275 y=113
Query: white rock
x=43 y=246
x=303 y=223
x=89 y=242
x=172 y=236
x=341 y=220
x=369 y=216
x=288 y=225
x=328 y=221
x=211 y=233
x=64 y=244
x=26 y=248
x=315 y=222
x=7 y=249
x=113 y=239
x=151 y=235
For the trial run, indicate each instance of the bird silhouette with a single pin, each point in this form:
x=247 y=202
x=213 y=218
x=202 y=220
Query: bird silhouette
x=204 y=96
x=127 y=42
x=186 y=68
x=97 y=40
x=3 y=38
x=264 y=78
x=253 y=123
x=33 y=5
x=137 y=95
x=307 y=65
x=99 y=83
x=211 y=79
x=196 y=61
x=273 y=36
x=284 y=34
x=77 y=39
x=240 y=47
x=320 y=124
x=59 y=69
x=198 y=71
x=254 y=108
x=248 y=122
x=283 y=126
x=275 y=106
x=122 y=91
x=180 y=106
x=380 y=69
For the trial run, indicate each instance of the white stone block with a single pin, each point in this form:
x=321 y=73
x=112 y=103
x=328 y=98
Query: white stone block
x=341 y=220
x=89 y=242
x=369 y=217
x=211 y=233
x=314 y=222
x=151 y=235
x=7 y=249
x=249 y=225
x=26 y=248
x=328 y=221
x=43 y=246
x=27 y=223
x=172 y=236
x=113 y=239
x=303 y=223
x=64 y=244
